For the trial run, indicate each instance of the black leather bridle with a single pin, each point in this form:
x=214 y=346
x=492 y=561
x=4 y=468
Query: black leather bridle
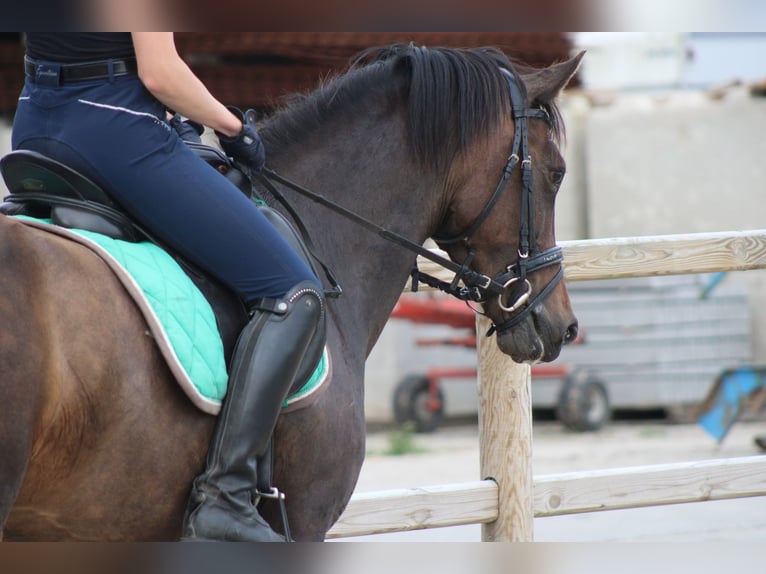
x=530 y=259
x=476 y=286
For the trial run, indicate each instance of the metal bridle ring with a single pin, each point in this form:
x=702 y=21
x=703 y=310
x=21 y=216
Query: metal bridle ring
x=520 y=301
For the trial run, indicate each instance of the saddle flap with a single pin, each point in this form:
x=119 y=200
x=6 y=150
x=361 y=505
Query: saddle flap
x=26 y=171
x=89 y=217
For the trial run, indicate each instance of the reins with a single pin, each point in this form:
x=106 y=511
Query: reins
x=462 y=271
x=476 y=287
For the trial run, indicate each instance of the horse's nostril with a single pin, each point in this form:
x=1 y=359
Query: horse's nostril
x=571 y=333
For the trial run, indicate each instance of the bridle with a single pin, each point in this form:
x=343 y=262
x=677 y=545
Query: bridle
x=530 y=259
x=476 y=287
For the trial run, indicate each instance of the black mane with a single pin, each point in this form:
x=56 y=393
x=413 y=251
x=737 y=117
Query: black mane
x=454 y=96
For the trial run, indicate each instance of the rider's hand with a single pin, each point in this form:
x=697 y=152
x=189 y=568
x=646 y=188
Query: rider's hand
x=246 y=148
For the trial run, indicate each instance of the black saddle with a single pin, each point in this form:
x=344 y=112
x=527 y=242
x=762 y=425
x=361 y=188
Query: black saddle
x=43 y=187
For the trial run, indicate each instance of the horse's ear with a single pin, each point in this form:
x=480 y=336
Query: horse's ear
x=544 y=85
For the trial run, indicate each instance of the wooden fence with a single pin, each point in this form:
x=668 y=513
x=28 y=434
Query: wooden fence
x=508 y=498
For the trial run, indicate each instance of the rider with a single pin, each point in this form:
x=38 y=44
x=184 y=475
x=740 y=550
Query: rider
x=98 y=102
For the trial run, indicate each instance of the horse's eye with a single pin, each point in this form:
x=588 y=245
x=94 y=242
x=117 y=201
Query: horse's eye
x=557 y=176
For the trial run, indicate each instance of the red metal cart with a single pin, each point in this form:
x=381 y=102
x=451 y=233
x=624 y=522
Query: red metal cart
x=419 y=399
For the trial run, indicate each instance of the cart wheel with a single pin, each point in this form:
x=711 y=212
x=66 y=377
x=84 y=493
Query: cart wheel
x=583 y=402
x=414 y=402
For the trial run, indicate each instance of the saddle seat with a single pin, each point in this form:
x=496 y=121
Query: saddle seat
x=43 y=187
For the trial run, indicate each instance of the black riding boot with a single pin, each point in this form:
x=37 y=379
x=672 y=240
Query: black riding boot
x=268 y=357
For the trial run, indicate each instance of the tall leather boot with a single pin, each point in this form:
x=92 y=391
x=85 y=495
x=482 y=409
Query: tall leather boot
x=269 y=352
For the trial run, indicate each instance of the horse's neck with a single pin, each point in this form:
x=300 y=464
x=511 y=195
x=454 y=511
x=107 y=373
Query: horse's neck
x=366 y=169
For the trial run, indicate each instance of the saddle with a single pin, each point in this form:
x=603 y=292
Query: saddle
x=42 y=187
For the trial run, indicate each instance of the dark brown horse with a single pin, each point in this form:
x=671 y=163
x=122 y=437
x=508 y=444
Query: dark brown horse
x=97 y=442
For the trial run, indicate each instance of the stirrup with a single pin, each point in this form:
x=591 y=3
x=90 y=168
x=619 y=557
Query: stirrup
x=279 y=496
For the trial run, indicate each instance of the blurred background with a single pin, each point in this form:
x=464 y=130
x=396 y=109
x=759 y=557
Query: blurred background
x=664 y=136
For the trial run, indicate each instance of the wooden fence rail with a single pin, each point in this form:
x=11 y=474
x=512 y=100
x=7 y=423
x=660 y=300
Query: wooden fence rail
x=664 y=255
x=418 y=508
x=624 y=257
x=555 y=495
x=508 y=498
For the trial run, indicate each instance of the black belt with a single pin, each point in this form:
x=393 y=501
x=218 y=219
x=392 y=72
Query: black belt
x=85 y=71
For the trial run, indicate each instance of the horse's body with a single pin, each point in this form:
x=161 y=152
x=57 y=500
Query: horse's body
x=98 y=443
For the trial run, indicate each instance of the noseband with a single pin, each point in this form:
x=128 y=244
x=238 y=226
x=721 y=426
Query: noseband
x=475 y=286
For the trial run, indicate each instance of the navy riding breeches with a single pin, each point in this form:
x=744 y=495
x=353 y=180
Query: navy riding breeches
x=115 y=132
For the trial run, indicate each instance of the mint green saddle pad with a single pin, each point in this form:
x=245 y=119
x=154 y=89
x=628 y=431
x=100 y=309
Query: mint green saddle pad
x=181 y=319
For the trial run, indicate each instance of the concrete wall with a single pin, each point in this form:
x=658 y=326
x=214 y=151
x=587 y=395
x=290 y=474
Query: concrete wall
x=684 y=162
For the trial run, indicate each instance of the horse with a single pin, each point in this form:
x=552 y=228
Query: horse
x=97 y=440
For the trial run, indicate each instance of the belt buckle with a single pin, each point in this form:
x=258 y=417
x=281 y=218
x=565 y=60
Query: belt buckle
x=48 y=74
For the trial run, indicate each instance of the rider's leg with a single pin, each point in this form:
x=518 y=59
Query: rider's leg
x=266 y=360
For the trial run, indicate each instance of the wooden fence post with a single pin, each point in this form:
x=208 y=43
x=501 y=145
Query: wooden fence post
x=505 y=439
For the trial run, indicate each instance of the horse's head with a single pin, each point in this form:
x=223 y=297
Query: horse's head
x=482 y=165
x=498 y=216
